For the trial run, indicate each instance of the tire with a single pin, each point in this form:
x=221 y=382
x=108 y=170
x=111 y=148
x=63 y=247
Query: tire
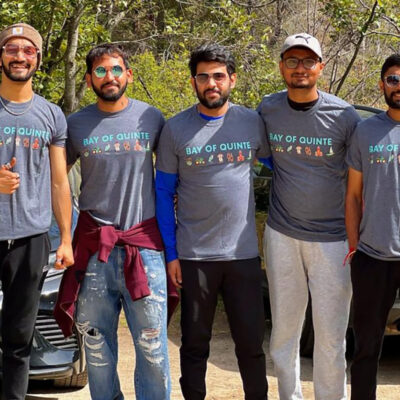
x=307 y=334
x=77 y=381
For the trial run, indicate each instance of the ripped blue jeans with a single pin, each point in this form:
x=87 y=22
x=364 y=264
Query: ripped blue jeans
x=102 y=294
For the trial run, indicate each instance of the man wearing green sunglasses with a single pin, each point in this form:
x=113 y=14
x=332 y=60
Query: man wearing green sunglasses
x=372 y=222
x=119 y=258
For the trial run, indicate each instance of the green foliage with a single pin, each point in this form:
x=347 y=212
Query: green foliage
x=165 y=84
x=160 y=34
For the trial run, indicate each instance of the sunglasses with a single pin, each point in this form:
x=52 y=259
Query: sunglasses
x=218 y=77
x=293 y=62
x=13 y=50
x=101 y=72
x=392 y=80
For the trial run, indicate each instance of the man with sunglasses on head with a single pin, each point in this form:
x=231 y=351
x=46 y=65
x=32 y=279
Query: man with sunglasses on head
x=119 y=262
x=205 y=156
x=33 y=179
x=372 y=222
x=308 y=132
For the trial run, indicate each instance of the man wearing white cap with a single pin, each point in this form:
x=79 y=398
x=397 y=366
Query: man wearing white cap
x=308 y=131
x=33 y=177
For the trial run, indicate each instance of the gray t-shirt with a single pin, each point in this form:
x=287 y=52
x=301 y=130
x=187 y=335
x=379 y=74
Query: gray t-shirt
x=213 y=159
x=375 y=151
x=308 y=150
x=27 y=137
x=115 y=151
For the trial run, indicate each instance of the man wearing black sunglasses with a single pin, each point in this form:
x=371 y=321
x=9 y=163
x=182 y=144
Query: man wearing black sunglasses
x=372 y=221
x=117 y=245
x=206 y=155
x=33 y=178
x=308 y=131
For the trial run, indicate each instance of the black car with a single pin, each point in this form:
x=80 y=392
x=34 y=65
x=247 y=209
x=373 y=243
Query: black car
x=54 y=357
x=261 y=185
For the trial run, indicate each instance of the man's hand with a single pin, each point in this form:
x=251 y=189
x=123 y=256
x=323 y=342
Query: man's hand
x=9 y=181
x=64 y=256
x=174 y=272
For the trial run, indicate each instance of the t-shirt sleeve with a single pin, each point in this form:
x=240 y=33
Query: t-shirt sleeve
x=60 y=130
x=352 y=120
x=264 y=150
x=353 y=156
x=167 y=159
x=161 y=123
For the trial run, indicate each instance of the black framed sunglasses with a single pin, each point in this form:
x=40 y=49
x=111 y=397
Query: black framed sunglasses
x=101 y=71
x=218 y=77
x=392 y=80
x=293 y=62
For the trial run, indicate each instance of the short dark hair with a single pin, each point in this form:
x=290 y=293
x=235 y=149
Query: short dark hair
x=393 y=60
x=211 y=52
x=99 y=51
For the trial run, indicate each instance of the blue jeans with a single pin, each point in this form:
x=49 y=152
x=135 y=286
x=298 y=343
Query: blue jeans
x=101 y=296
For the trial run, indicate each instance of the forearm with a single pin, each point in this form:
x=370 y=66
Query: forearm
x=353 y=219
x=62 y=208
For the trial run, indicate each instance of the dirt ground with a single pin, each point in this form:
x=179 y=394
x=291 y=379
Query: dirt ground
x=223 y=380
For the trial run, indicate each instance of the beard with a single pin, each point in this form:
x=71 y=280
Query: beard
x=109 y=96
x=211 y=104
x=15 y=76
x=295 y=85
x=299 y=84
x=390 y=101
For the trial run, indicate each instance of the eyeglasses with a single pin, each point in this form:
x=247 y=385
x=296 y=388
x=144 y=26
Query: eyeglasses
x=392 y=80
x=13 y=50
x=293 y=62
x=101 y=71
x=203 y=78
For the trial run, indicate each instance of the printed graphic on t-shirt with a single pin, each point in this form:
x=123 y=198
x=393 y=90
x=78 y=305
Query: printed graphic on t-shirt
x=383 y=153
x=27 y=137
x=310 y=146
x=222 y=153
x=115 y=143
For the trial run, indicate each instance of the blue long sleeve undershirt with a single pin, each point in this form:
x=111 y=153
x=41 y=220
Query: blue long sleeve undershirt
x=166 y=185
x=268 y=162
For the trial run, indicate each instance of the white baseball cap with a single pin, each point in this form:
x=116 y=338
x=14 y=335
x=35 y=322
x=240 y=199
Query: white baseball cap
x=302 y=40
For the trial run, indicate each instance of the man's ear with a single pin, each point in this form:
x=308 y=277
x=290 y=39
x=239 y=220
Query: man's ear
x=232 y=79
x=129 y=75
x=281 y=67
x=193 y=82
x=88 y=79
x=321 y=68
x=381 y=85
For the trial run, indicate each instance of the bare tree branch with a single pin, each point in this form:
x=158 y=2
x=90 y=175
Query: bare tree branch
x=383 y=34
x=357 y=47
x=391 y=22
x=247 y=5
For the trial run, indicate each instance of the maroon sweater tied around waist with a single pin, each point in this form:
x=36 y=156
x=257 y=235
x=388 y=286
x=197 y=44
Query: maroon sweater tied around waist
x=89 y=238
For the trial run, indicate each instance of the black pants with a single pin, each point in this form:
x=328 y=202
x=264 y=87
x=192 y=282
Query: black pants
x=240 y=285
x=375 y=284
x=21 y=268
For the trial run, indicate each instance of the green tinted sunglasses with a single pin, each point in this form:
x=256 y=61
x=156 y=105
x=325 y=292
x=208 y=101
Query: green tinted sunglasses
x=101 y=71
